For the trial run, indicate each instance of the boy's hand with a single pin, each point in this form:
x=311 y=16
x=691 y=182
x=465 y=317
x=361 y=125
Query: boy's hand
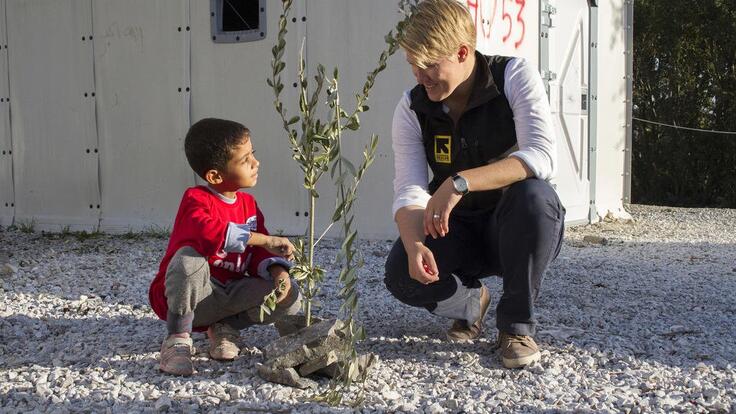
x=281 y=282
x=280 y=246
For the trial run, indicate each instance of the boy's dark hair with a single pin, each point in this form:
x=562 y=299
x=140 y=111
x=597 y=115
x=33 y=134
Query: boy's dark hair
x=210 y=141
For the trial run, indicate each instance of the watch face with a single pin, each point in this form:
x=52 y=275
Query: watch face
x=461 y=186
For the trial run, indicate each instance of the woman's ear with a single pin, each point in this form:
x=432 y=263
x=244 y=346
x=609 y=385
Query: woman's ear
x=213 y=177
x=463 y=52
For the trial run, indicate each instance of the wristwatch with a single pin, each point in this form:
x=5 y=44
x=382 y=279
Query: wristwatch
x=460 y=184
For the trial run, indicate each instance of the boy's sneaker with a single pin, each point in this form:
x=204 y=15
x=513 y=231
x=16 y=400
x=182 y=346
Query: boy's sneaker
x=223 y=341
x=517 y=351
x=176 y=356
x=462 y=331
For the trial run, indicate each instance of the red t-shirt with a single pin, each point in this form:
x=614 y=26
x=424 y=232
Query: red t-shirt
x=201 y=223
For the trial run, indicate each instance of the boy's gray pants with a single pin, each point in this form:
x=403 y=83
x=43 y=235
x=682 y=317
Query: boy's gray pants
x=195 y=300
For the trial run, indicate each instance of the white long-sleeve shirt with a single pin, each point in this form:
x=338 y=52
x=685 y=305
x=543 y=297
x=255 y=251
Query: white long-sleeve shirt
x=535 y=136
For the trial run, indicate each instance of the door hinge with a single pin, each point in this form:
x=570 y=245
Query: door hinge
x=547 y=12
x=548 y=75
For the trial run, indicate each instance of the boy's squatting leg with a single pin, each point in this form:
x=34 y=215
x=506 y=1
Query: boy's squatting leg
x=194 y=300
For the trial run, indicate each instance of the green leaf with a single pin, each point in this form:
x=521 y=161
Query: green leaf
x=352 y=370
x=353 y=123
x=349 y=165
x=349 y=240
x=337 y=215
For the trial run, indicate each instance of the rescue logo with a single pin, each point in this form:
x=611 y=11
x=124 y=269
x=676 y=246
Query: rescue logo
x=442 y=149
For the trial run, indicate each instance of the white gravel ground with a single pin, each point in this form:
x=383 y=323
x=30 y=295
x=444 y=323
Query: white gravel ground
x=634 y=317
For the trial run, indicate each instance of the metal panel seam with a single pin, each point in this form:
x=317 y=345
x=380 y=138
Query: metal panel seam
x=10 y=109
x=95 y=118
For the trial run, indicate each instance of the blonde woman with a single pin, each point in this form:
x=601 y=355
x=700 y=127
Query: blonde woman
x=482 y=124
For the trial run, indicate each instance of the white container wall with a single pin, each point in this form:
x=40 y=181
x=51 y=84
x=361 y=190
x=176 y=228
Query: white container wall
x=509 y=28
x=54 y=133
x=101 y=93
x=142 y=109
x=7 y=199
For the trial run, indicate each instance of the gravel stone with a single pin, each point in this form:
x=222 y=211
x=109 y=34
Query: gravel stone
x=633 y=316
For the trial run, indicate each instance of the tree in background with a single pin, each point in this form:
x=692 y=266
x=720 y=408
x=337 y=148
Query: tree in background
x=684 y=74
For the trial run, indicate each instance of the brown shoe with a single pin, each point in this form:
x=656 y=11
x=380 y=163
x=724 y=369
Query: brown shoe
x=223 y=341
x=462 y=331
x=176 y=356
x=517 y=351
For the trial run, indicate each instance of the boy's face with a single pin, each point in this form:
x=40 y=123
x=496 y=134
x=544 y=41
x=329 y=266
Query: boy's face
x=242 y=168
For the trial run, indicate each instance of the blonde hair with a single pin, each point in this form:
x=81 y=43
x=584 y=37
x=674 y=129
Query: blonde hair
x=435 y=30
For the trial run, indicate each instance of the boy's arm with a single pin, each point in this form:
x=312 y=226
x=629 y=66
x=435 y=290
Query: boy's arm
x=274 y=251
x=239 y=236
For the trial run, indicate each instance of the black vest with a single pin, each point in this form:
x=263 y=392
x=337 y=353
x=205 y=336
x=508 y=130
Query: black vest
x=484 y=133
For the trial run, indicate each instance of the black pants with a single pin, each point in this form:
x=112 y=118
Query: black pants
x=517 y=241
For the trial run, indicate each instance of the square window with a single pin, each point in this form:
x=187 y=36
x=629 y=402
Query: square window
x=236 y=21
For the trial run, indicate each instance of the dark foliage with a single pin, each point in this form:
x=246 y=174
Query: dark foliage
x=684 y=74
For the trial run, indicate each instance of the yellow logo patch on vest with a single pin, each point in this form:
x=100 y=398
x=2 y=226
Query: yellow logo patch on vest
x=442 y=149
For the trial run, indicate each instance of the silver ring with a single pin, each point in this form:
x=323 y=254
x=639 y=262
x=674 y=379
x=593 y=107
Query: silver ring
x=436 y=216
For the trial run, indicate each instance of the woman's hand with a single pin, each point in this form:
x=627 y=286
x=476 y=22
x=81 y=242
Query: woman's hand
x=439 y=207
x=422 y=266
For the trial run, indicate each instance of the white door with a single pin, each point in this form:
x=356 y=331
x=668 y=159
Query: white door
x=568 y=89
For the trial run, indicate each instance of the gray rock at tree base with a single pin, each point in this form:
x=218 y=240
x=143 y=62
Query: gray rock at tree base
x=319 y=363
x=365 y=363
x=285 y=376
x=289 y=324
x=305 y=345
x=308 y=350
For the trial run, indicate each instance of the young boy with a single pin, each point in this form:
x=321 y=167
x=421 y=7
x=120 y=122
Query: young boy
x=220 y=262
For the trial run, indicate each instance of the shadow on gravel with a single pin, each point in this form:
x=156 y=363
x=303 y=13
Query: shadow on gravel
x=664 y=303
x=434 y=351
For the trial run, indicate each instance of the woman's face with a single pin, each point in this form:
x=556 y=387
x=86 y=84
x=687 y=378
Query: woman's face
x=439 y=78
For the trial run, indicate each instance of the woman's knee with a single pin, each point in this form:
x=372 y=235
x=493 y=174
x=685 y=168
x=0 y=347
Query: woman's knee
x=396 y=271
x=532 y=197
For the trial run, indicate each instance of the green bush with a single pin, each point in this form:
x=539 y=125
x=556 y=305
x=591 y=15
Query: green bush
x=684 y=74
